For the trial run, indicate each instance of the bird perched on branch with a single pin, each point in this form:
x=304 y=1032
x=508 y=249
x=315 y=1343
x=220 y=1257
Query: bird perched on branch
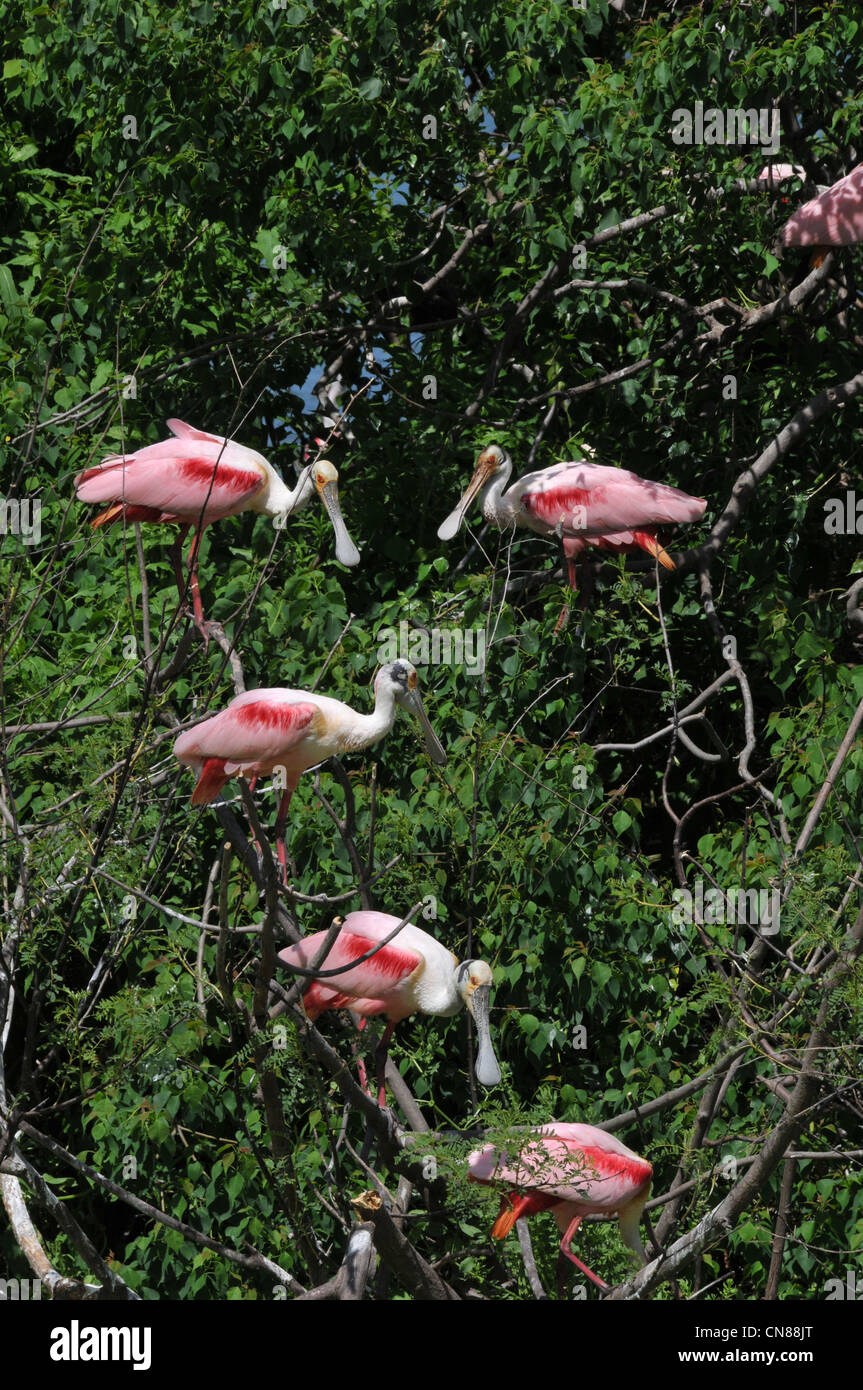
x=412 y=973
x=197 y=478
x=573 y=1171
x=585 y=504
x=286 y=732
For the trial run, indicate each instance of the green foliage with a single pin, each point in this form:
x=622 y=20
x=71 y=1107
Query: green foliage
x=276 y=194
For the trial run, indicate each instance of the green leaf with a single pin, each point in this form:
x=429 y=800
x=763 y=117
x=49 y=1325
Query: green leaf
x=600 y=973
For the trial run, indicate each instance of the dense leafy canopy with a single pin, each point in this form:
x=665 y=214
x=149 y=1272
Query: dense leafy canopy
x=455 y=223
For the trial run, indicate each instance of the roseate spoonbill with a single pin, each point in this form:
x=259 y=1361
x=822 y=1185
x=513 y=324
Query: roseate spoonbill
x=289 y=731
x=413 y=973
x=590 y=503
x=196 y=478
x=572 y=1171
x=778 y=173
x=834 y=218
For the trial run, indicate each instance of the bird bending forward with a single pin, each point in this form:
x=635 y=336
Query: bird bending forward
x=197 y=478
x=573 y=1171
x=413 y=973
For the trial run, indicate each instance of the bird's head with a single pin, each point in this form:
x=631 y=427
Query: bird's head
x=400 y=681
x=492 y=461
x=326 y=481
x=474 y=981
x=324 y=473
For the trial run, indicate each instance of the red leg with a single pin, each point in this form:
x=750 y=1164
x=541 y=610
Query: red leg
x=565 y=1250
x=571 y=574
x=194 y=552
x=381 y=1060
x=177 y=560
x=586 y=591
x=189 y=584
x=361 y=1065
x=281 y=822
x=564 y=612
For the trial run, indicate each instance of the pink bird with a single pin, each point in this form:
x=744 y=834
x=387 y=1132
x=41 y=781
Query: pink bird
x=778 y=173
x=196 y=478
x=413 y=973
x=588 y=504
x=621 y=543
x=283 y=731
x=572 y=1171
x=834 y=218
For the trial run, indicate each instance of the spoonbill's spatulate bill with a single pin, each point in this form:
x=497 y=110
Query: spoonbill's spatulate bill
x=413 y=973
x=288 y=731
x=196 y=478
x=573 y=1171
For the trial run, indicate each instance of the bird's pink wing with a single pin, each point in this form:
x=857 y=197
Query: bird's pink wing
x=593 y=1169
x=539 y=1163
x=777 y=172
x=834 y=218
x=319 y=997
x=182 y=477
x=604 y=1179
x=611 y=1174
x=253 y=729
x=184 y=431
x=618 y=540
x=373 y=979
x=592 y=498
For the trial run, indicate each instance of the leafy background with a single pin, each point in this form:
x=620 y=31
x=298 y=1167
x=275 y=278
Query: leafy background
x=286 y=206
